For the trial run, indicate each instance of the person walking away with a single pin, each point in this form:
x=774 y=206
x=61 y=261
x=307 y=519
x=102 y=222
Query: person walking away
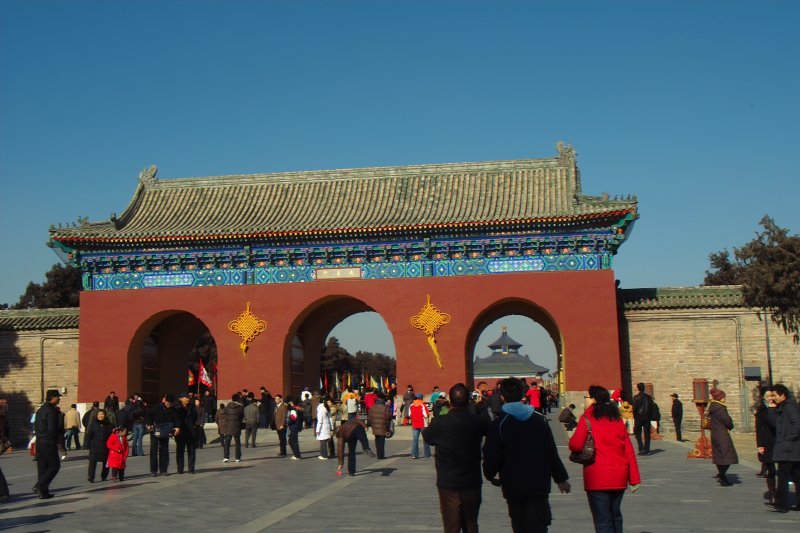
x=281 y=412
x=48 y=430
x=162 y=423
x=787 y=446
x=124 y=416
x=379 y=417
x=721 y=442
x=210 y=405
x=264 y=408
x=294 y=425
x=250 y=422
x=351 y=432
x=408 y=399
x=520 y=448
x=534 y=396
x=96 y=442
x=72 y=423
x=655 y=422
x=185 y=438
x=495 y=403
x=199 y=432
x=231 y=428
x=351 y=404
x=614 y=467
x=457 y=439
x=117 y=453
x=419 y=421
x=766 y=420
x=323 y=430
x=370 y=397
x=677 y=415
x=642 y=414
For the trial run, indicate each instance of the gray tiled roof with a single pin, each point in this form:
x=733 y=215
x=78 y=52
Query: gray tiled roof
x=338 y=202
x=510 y=364
x=682 y=297
x=39 y=319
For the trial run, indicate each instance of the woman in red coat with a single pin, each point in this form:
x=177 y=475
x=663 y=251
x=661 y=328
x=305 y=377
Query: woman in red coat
x=614 y=467
x=117 y=445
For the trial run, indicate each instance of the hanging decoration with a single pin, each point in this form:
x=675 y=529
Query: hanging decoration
x=247 y=326
x=429 y=320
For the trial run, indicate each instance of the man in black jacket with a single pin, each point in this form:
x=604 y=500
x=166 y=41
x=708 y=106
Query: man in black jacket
x=185 y=439
x=521 y=448
x=786 y=451
x=642 y=415
x=48 y=429
x=677 y=415
x=162 y=422
x=457 y=438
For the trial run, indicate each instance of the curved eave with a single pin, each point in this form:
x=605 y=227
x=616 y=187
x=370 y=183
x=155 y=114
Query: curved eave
x=336 y=232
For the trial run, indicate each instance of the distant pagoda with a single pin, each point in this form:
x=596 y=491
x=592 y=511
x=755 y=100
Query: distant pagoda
x=506 y=361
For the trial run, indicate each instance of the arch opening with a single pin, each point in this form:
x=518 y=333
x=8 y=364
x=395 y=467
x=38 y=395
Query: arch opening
x=519 y=338
x=165 y=354
x=317 y=360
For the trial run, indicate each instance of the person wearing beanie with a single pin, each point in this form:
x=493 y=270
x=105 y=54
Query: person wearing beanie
x=721 y=442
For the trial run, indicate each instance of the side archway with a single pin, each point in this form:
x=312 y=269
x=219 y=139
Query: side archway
x=160 y=351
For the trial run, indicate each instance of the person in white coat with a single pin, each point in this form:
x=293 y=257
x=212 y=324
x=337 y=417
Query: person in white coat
x=324 y=430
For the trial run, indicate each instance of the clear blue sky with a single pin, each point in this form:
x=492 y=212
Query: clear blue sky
x=692 y=106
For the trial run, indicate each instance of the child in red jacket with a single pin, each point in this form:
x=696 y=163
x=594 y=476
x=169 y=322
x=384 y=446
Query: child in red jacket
x=117 y=445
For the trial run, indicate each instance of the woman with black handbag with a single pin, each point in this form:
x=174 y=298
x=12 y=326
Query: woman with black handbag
x=614 y=466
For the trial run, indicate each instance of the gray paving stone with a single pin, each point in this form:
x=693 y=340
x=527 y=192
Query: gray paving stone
x=268 y=493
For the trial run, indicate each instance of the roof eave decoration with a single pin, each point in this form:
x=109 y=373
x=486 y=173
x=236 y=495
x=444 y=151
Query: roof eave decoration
x=623 y=217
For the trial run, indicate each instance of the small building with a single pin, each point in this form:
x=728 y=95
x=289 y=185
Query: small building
x=504 y=361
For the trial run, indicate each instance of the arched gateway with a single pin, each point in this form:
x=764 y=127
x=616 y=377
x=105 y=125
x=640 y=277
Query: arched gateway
x=264 y=262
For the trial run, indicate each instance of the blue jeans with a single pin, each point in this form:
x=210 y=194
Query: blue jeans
x=138 y=436
x=606 y=507
x=415 y=433
x=73 y=432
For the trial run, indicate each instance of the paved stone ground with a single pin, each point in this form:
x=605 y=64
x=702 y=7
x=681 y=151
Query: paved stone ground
x=267 y=493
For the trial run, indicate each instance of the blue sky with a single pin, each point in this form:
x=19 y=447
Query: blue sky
x=692 y=106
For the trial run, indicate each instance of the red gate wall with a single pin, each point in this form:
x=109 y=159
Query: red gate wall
x=582 y=304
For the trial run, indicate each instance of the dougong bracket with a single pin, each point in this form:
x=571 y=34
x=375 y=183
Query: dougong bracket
x=429 y=320
x=247 y=326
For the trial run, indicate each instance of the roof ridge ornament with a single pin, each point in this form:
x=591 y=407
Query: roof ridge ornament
x=148 y=175
x=566 y=153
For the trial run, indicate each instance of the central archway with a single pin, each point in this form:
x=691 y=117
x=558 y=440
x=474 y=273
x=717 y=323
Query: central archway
x=522 y=307
x=308 y=336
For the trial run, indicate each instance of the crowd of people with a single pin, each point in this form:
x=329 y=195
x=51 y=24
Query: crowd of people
x=501 y=435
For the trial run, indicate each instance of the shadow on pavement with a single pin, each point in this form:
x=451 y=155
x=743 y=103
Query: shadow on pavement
x=381 y=471
x=116 y=486
x=30 y=520
x=222 y=469
x=40 y=504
